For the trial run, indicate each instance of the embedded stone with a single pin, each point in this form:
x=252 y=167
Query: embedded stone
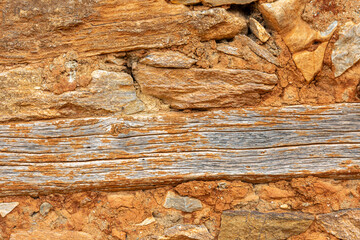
x=245 y=225
x=168 y=59
x=185 y=204
x=343 y=224
x=258 y=30
x=310 y=63
x=6 y=208
x=346 y=51
x=204 y=88
x=45 y=208
x=187 y=231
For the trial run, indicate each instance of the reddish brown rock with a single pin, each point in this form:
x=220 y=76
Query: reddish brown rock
x=204 y=88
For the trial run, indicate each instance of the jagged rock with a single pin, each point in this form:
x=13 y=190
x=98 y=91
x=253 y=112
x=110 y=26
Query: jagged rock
x=204 y=88
x=310 y=62
x=187 y=231
x=130 y=25
x=45 y=208
x=346 y=51
x=185 y=204
x=24 y=96
x=285 y=17
x=6 y=208
x=53 y=235
x=257 y=49
x=344 y=224
x=245 y=225
x=168 y=59
x=258 y=30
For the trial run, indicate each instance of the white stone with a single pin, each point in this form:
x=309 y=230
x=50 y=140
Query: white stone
x=6 y=208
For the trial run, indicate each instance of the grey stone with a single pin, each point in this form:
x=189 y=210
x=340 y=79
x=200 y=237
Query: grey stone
x=45 y=208
x=185 y=204
x=6 y=208
x=346 y=51
x=344 y=224
x=243 y=225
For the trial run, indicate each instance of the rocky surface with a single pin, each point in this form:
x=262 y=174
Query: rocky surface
x=346 y=51
x=71 y=59
x=184 y=204
x=131 y=215
x=183 y=88
x=344 y=224
x=255 y=225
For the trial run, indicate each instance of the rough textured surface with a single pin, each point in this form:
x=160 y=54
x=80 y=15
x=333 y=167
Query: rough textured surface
x=343 y=224
x=6 y=208
x=104 y=27
x=201 y=88
x=191 y=232
x=143 y=150
x=168 y=59
x=245 y=225
x=259 y=31
x=346 y=51
x=184 y=204
x=25 y=96
x=54 y=235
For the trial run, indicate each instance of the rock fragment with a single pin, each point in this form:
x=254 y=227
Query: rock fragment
x=185 y=204
x=45 y=208
x=168 y=59
x=310 y=63
x=284 y=16
x=346 y=51
x=204 y=88
x=227 y=2
x=6 y=208
x=344 y=224
x=258 y=30
x=187 y=231
x=245 y=225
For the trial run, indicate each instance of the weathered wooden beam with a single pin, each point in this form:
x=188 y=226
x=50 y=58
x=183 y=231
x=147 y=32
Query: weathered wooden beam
x=140 y=151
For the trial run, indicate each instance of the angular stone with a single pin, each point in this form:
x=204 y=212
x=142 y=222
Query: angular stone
x=45 y=208
x=168 y=59
x=258 y=30
x=121 y=199
x=285 y=17
x=257 y=49
x=243 y=225
x=53 y=235
x=344 y=224
x=204 y=88
x=310 y=63
x=346 y=51
x=185 y=204
x=24 y=96
x=6 y=208
x=130 y=25
x=187 y=231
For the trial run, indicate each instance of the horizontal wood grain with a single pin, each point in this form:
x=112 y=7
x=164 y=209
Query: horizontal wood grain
x=141 y=151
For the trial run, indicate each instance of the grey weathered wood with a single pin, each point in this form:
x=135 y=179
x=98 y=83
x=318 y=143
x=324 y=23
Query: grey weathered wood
x=143 y=150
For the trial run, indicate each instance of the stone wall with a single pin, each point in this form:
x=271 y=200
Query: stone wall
x=90 y=58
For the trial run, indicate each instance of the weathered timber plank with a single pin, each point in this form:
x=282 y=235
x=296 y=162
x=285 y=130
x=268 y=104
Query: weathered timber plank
x=139 y=151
